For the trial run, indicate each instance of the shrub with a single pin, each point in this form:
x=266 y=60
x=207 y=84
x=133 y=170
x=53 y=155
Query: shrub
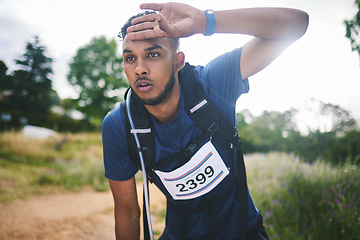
x=311 y=201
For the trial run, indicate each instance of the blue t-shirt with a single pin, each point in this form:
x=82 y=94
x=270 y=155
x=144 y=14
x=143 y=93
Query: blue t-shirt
x=223 y=77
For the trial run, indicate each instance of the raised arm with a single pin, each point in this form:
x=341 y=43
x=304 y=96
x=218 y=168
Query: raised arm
x=274 y=29
x=127 y=211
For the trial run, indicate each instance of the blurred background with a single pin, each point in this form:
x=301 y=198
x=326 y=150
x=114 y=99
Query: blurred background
x=61 y=72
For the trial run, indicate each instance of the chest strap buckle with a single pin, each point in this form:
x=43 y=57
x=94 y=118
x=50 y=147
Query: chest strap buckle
x=189 y=151
x=213 y=127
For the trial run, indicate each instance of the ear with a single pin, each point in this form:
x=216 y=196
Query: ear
x=179 y=61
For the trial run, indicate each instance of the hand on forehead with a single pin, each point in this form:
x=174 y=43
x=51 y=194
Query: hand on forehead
x=173 y=20
x=145 y=27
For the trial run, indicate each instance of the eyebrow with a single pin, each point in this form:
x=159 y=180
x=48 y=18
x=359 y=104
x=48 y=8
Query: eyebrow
x=154 y=47
x=146 y=50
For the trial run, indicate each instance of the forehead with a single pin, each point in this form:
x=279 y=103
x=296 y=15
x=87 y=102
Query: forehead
x=144 y=45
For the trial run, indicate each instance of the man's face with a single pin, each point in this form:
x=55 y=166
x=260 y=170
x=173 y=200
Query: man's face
x=149 y=67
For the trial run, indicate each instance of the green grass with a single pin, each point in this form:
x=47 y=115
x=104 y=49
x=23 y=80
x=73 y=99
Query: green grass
x=299 y=201
x=31 y=166
x=305 y=201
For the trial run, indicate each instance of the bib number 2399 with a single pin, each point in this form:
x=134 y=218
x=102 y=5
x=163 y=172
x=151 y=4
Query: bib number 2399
x=200 y=175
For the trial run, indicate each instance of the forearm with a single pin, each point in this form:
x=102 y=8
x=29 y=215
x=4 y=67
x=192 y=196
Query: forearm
x=180 y=20
x=266 y=23
x=127 y=226
x=127 y=211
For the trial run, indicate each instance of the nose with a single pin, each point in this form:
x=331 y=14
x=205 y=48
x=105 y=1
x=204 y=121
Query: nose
x=141 y=68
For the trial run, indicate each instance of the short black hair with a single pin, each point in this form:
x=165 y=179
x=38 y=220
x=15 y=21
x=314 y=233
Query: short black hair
x=123 y=31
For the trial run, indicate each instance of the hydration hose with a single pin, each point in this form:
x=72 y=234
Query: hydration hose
x=142 y=166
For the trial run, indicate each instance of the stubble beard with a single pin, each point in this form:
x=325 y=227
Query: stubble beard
x=162 y=96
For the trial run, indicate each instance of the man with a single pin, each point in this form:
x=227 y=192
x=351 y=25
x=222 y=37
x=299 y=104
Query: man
x=155 y=69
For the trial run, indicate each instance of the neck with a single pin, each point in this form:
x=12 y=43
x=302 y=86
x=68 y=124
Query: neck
x=166 y=112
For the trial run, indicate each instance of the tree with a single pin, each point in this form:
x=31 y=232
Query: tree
x=5 y=83
x=353 y=29
x=96 y=73
x=28 y=91
x=341 y=119
x=272 y=131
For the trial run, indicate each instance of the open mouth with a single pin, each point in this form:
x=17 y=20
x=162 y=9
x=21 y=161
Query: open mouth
x=144 y=86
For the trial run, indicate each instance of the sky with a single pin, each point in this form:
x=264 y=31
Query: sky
x=318 y=66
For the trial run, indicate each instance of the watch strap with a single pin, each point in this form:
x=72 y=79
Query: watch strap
x=210 y=23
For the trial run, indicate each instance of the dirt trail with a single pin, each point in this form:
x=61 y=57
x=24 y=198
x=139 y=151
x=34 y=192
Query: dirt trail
x=70 y=216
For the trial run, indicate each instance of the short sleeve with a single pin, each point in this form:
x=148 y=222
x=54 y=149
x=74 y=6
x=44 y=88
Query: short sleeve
x=117 y=163
x=224 y=76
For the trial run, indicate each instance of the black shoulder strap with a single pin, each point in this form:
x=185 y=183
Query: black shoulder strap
x=203 y=111
x=144 y=128
x=209 y=119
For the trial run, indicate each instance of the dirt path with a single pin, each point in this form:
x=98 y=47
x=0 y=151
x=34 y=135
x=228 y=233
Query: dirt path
x=70 y=216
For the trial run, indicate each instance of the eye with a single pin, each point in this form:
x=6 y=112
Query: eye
x=154 y=54
x=129 y=58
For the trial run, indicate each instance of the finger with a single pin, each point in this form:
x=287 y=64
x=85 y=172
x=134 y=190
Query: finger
x=146 y=34
x=144 y=18
x=165 y=26
x=141 y=27
x=152 y=6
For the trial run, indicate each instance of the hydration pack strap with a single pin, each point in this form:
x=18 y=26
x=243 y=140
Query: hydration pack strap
x=145 y=220
x=143 y=123
x=207 y=116
x=242 y=195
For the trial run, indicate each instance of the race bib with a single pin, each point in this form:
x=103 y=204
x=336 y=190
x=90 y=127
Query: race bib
x=200 y=175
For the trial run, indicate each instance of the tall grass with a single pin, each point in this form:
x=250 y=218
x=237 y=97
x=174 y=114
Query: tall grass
x=305 y=201
x=298 y=200
x=34 y=165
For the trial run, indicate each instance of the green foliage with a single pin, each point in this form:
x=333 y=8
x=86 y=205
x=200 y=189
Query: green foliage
x=65 y=123
x=5 y=80
x=345 y=148
x=275 y=131
x=271 y=131
x=353 y=29
x=341 y=119
x=311 y=201
x=96 y=73
x=328 y=146
x=75 y=174
x=267 y=131
x=28 y=91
